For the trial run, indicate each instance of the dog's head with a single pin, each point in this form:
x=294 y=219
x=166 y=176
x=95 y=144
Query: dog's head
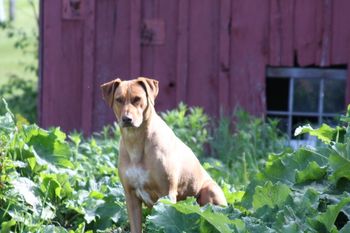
x=130 y=99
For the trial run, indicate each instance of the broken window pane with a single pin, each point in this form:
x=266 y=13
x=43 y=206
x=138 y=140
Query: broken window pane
x=334 y=95
x=306 y=95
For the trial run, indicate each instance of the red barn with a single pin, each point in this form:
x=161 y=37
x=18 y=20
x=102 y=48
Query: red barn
x=287 y=59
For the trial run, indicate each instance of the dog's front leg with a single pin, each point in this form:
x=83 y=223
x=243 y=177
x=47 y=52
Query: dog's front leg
x=134 y=206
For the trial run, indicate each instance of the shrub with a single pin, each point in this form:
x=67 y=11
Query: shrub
x=21 y=91
x=190 y=125
x=21 y=94
x=51 y=184
x=244 y=149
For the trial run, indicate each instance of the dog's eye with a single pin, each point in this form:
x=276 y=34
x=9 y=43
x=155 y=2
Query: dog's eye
x=119 y=100
x=136 y=100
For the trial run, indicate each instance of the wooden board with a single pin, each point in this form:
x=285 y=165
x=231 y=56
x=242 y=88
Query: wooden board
x=249 y=55
x=61 y=90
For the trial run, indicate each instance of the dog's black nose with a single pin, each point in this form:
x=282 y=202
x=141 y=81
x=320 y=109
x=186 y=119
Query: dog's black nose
x=126 y=120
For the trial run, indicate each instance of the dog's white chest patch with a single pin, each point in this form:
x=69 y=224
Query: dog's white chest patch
x=137 y=177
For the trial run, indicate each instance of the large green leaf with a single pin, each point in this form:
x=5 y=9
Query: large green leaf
x=187 y=216
x=340 y=166
x=271 y=195
x=284 y=167
x=165 y=218
x=7 y=122
x=55 y=185
x=109 y=213
x=27 y=189
x=217 y=220
x=50 y=147
x=312 y=172
x=325 y=221
x=6 y=226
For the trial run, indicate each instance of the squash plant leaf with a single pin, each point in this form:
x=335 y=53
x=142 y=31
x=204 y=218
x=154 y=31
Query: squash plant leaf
x=325 y=133
x=326 y=220
x=271 y=195
x=311 y=173
x=165 y=218
x=50 y=147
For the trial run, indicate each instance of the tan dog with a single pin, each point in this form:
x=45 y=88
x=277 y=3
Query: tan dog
x=153 y=162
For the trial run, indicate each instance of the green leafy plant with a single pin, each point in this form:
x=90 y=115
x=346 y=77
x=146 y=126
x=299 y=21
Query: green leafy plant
x=50 y=183
x=22 y=95
x=20 y=89
x=242 y=150
x=53 y=182
x=190 y=125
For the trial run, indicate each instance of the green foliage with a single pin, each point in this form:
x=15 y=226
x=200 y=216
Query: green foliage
x=243 y=150
x=26 y=39
x=187 y=216
x=21 y=94
x=189 y=124
x=20 y=88
x=51 y=182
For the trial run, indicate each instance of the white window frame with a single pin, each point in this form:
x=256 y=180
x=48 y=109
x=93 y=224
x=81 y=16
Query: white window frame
x=304 y=73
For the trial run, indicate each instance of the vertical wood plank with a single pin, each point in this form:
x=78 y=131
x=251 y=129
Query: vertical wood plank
x=112 y=53
x=51 y=30
x=275 y=26
x=41 y=63
x=224 y=73
x=165 y=55
x=249 y=55
x=323 y=33
x=135 y=43
x=204 y=54
x=68 y=83
x=182 y=51
x=281 y=32
x=306 y=23
x=287 y=9
x=88 y=68
x=62 y=69
x=147 y=50
x=340 y=43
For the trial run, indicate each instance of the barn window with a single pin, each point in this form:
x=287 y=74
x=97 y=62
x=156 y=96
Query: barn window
x=298 y=96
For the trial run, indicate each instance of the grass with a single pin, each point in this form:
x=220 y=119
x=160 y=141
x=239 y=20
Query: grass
x=12 y=60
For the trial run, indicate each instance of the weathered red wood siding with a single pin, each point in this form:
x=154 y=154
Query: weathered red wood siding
x=204 y=52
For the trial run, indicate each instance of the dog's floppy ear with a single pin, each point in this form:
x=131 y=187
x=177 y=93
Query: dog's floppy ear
x=108 y=90
x=150 y=86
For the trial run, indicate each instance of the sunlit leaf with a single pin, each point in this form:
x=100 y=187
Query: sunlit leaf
x=271 y=195
x=311 y=173
x=26 y=188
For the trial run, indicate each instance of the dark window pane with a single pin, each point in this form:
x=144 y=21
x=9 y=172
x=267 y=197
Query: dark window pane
x=277 y=90
x=303 y=120
x=334 y=96
x=306 y=95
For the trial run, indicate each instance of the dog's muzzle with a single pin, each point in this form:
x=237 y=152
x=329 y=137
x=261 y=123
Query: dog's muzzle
x=127 y=121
